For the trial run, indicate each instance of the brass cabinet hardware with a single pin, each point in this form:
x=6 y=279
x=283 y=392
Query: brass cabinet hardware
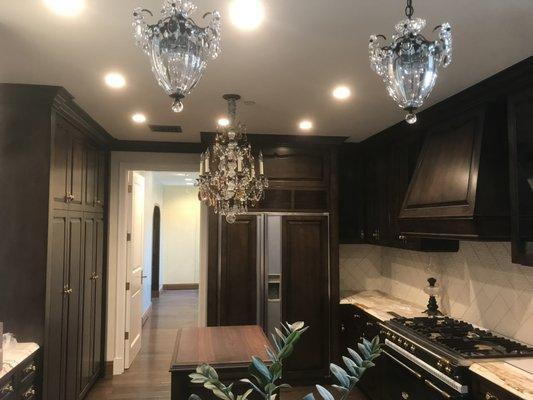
x=94 y=276
x=30 y=368
x=28 y=394
x=405 y=395
x=490 y=396
x=67 y=289
x=434 y=387
x=7 y=389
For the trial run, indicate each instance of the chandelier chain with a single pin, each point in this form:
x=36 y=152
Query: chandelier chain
x=409 y=9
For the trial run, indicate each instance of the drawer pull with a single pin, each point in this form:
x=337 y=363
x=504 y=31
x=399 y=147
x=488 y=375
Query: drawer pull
x=405 y=395
x=7 y=389
x=28 y=394
x=402 y=364
x=30 y=368
x=490 y=396
x=432 y=386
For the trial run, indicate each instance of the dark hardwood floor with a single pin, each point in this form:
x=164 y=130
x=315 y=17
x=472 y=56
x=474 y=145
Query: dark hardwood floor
x=148 y=378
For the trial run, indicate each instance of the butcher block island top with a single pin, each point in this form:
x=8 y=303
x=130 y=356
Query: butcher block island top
x=228 y=349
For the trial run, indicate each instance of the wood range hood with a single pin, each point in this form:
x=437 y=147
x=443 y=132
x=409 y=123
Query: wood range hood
x=460 y=187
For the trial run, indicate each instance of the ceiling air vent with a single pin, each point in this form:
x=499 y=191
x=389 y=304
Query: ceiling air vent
x=166 y=128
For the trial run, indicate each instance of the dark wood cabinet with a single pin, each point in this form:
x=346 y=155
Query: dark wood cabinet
x=520 y=130
x=305 y=297
x=49 y=293
x=300 y=280
x=482 y=389
x=238 y=272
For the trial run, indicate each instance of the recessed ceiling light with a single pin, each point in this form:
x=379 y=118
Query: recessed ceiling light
x=189 y=183
x=305 y=125
x=341 y=92
x=247 y=14
x=66 y=8
x=115 y=80
x=189 y=180
x=223 y=122
x=138 y=118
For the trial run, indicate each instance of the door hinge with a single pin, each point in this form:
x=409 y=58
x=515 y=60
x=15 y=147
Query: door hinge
x=126 y=335
x=128 y=237
x=127 y=286
x=130 y=188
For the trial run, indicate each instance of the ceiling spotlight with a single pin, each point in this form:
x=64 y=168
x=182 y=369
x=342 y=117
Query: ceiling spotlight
x=66 y=8
x=341 y=92
x=305 y=125
x=115 y=80
x=223 y=122
x=247 y=14
x=138 y=118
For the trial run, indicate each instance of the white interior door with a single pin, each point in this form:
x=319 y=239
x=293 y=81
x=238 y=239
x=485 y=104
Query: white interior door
x=134 y=296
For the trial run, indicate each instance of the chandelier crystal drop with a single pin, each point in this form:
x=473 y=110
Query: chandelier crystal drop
x=409 y=65
x=177 y=47
x=230 y=178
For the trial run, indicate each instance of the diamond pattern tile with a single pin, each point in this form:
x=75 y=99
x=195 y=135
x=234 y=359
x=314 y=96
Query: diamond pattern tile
x=479 y=283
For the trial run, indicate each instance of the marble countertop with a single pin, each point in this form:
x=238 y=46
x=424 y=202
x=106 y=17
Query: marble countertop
x=513 y=375
x=513 y=379
x=15 y=354
x=380 y=305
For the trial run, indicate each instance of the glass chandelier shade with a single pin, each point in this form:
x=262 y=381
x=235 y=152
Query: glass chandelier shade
x=230 y=177
x=410 y=64
x=177 y=47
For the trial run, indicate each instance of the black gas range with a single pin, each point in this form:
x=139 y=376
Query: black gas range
x=439 y=350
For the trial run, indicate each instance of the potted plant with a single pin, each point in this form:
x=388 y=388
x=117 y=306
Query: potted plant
x=265 y=379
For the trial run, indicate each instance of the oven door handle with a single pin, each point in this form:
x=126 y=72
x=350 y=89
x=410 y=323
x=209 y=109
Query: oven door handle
x=434 y=387
x=412 y=371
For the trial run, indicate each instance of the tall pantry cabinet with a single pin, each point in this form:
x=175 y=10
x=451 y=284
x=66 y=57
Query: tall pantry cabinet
x=53 y=173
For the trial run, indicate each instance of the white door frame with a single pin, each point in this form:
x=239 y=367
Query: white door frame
x=121 y=164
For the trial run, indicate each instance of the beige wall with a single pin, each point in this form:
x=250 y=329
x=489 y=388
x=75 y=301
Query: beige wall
x=479 y=283
x=180 y=227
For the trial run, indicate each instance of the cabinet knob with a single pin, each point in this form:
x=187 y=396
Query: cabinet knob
x=343 y=328
x=7 y=389
x=30 y=368
x=356 y=316
x=28 y=394
x=95 y=276
x=67 y=289
x=490 y=396
x=405 y=395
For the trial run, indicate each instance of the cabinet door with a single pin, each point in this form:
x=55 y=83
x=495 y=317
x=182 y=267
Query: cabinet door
x=305 y=295
x=238 y=272
x=75 y=260
x=98 y=293
x=86 y=306
x=60 y=186
x=77 y=174
x=55 y=350
x=101 y=179
x=91 y=172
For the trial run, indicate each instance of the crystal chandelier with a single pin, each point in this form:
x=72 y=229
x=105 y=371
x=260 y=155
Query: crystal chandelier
x=410 y=64
x=178 y=48
x=228 y=179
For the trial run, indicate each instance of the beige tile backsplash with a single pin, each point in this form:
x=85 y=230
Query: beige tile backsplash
x=479 y=283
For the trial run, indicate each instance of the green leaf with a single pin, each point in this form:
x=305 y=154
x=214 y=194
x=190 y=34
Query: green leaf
x=309 y=396
x=356 y=357
x=220 y=394
x=297 y=326
x=364 y=351
x=271 y=355
x=253 y=386
x=340 y=388
x=326 y=395
x=261 y=368
x=350 y=364
x=194 y=397
x=340 y=374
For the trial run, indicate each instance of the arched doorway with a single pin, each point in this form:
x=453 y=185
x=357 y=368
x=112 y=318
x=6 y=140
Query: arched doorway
x=156 y=232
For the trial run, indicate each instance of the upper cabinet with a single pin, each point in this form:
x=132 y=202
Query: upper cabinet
x=520 y=108
x=460 y=186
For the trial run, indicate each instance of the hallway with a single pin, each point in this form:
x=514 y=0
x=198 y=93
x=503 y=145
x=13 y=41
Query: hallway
x=148 y=377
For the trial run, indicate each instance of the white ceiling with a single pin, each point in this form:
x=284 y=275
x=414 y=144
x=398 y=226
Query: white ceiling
x=288 y=66
x=166 y=178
